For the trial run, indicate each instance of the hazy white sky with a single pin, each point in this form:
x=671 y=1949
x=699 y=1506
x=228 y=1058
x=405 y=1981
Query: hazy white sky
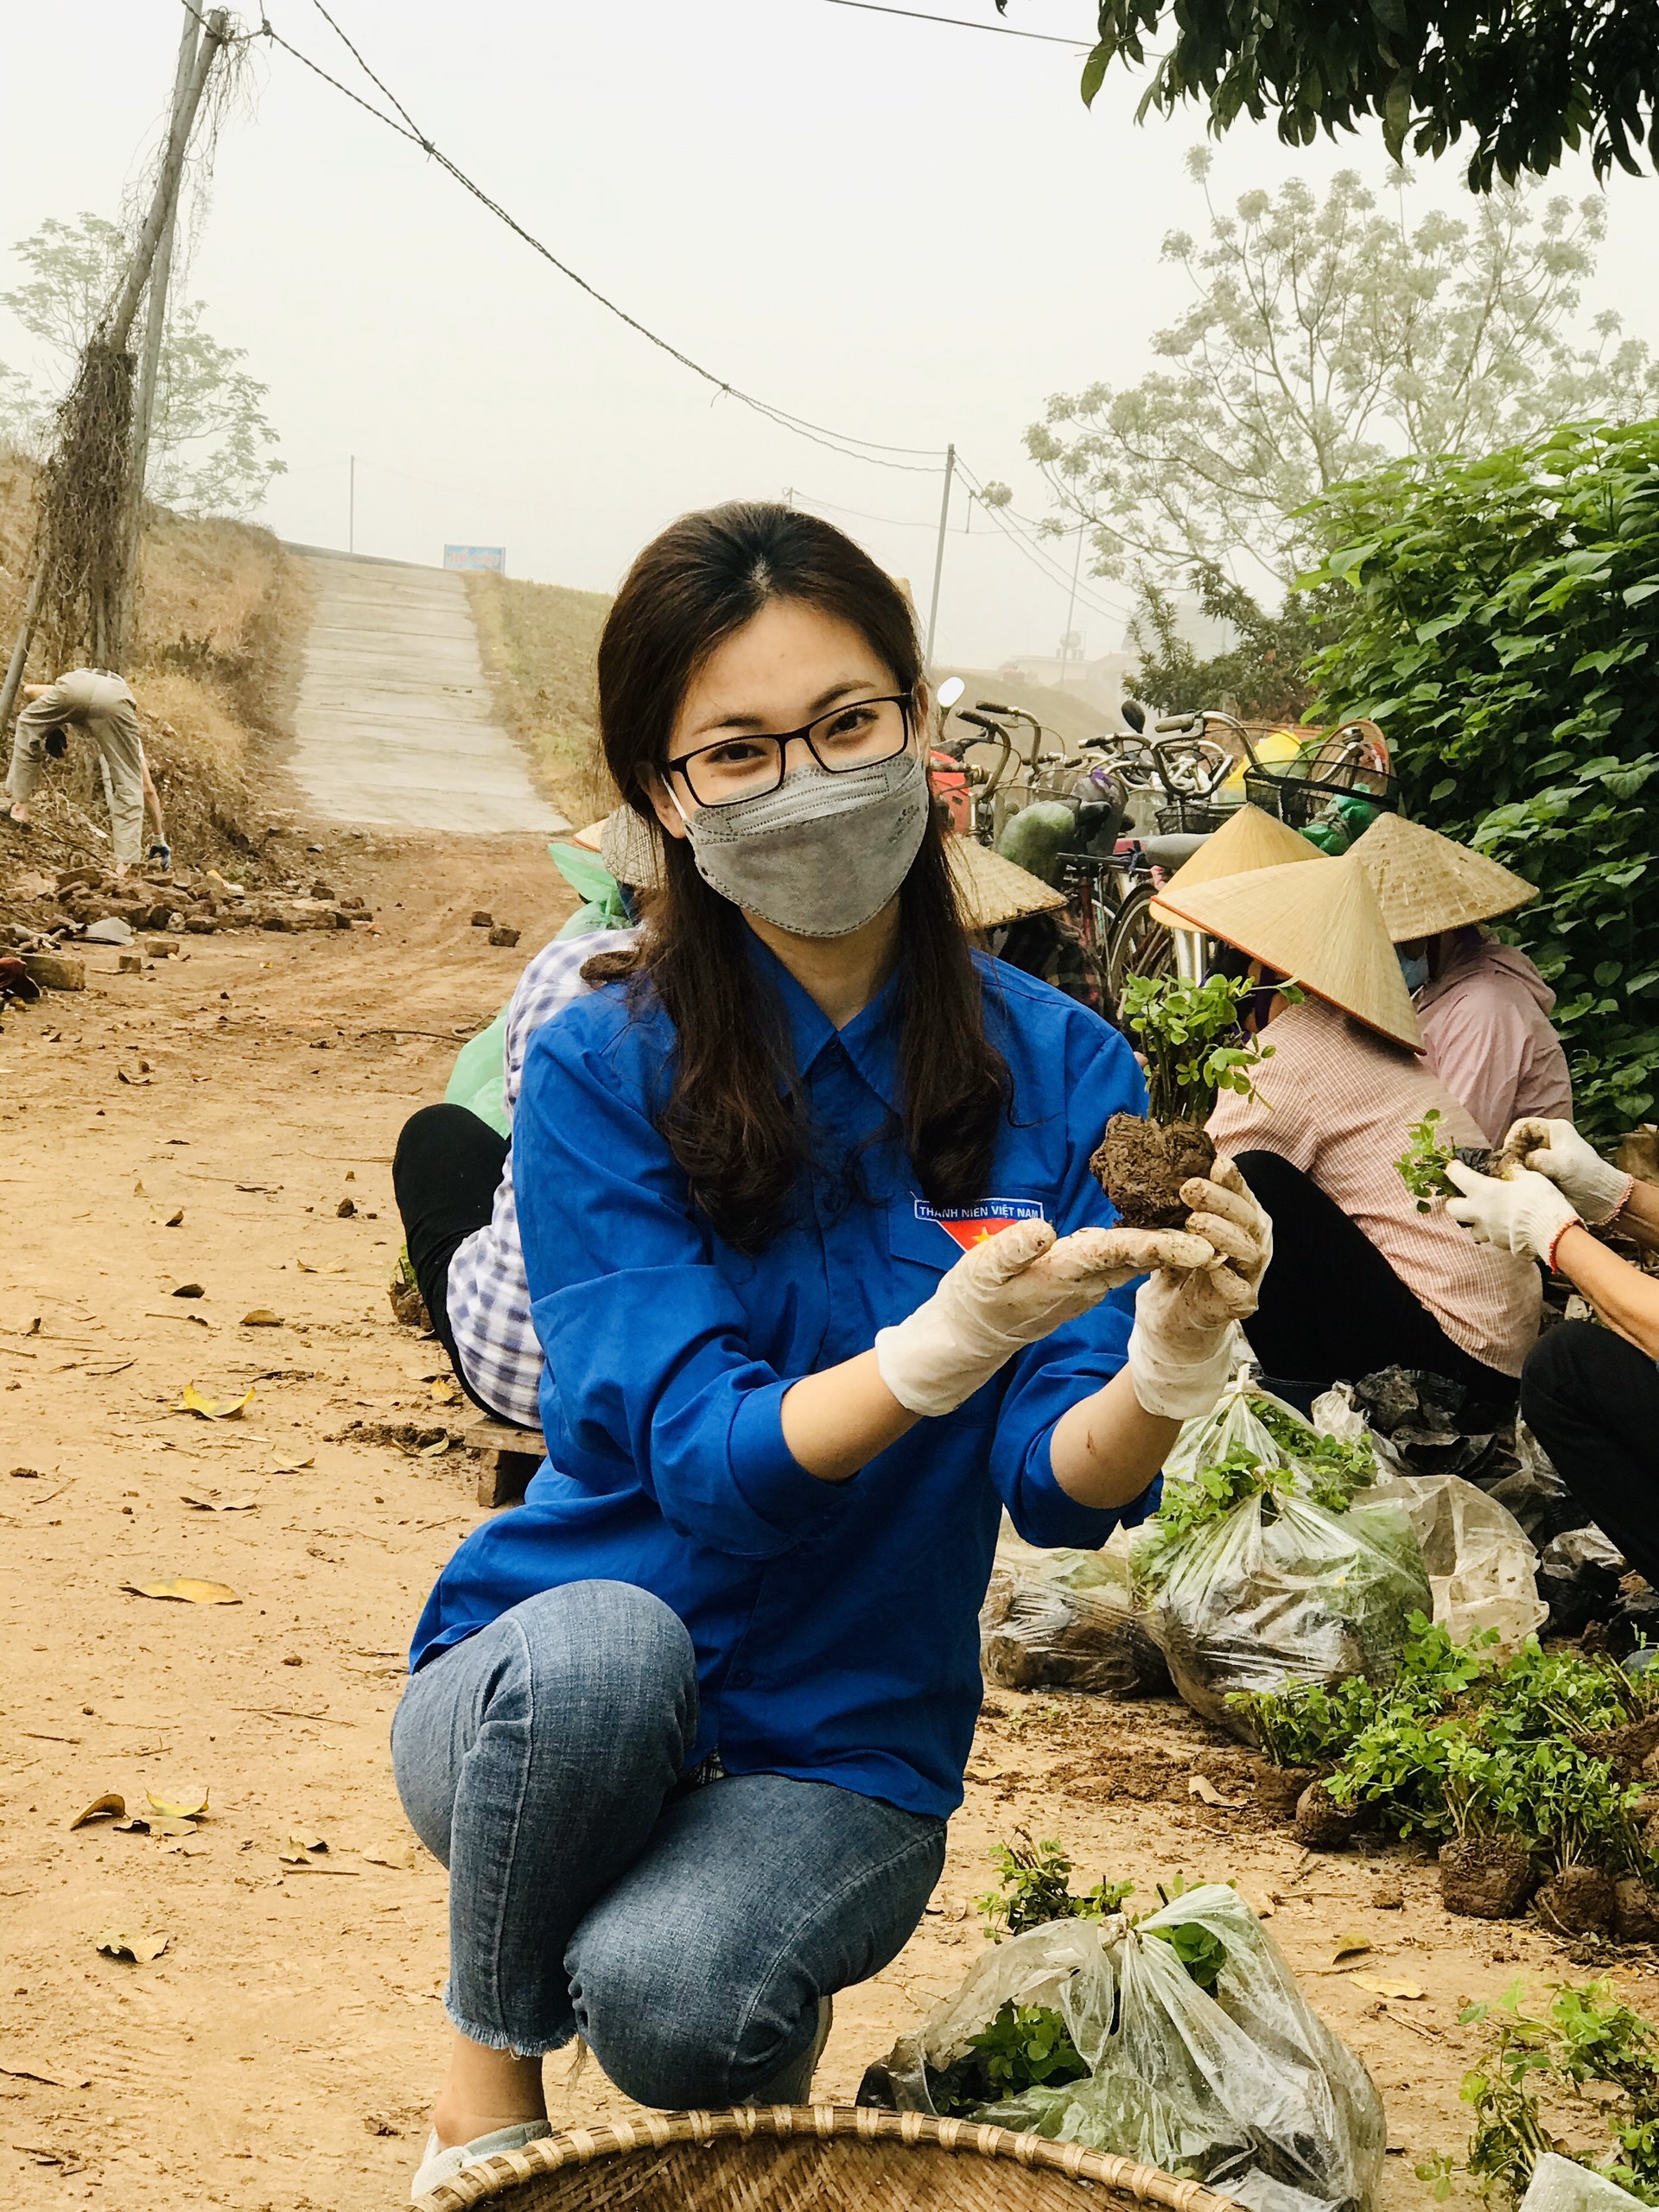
x=913 y=233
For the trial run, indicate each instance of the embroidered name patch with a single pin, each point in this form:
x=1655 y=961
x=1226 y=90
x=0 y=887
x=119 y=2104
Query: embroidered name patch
x=970 y=1226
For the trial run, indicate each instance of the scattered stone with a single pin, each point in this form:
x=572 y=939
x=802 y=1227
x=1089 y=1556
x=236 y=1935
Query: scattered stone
x=160 y=948
x=1388 y=1897
x=129 y=963
x=57 y=971
x=346 y=1209
x=74 y=879
x=201 y=926
x=190 y=1290
x=1578 y=1901
x=1321 y=1823
x=501 y=935
x=322 y=890
x=1279 y=1789
x=355 y=904
x=481 y=920
x=1485 y=1879
x=408 y=1307
x=276 y=922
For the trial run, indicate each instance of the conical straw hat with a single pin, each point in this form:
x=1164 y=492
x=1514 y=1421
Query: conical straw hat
x=991 y=890
x=1426 y=883
x=627 y=846
x=1251 y=840
x=1321 y=926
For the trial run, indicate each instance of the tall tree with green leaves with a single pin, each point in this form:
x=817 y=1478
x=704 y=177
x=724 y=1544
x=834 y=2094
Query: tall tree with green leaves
x=1323 y=336
x=1529 y=83
x=211 y=443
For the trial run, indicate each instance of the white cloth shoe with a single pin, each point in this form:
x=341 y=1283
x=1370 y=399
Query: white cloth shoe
x=440 y=2166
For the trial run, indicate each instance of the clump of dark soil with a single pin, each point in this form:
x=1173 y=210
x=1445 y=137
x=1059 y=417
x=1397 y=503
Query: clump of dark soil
x=1578 y=1901
x=1141 y=1166
x=1321 y=1823
x=1636 y=1918
x=1485 y=1879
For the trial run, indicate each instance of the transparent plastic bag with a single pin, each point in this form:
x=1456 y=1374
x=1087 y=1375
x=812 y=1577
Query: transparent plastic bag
x=1281 y=1590
x=1067 y=1621
x=1235 y=1422
x=1242 y=2086
x=1561 y=2185
x=1481 y=1568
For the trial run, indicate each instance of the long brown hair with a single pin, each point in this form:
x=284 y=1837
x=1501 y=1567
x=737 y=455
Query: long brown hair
x=733 y=1119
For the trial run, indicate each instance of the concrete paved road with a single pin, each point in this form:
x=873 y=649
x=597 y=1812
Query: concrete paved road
x=393 y=726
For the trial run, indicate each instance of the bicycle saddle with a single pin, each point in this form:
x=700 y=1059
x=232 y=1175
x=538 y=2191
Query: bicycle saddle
x=1169 y=852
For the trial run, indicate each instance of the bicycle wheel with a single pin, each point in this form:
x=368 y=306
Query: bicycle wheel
x=1138 y=945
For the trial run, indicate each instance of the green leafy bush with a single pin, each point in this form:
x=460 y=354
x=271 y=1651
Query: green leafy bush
x=1035 y=1888
x=1501 y=630
x=1190 y=1037
x=1586 y=2036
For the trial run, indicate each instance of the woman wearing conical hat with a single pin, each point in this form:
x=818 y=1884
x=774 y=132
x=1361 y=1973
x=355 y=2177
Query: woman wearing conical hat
x=1484 y=1007
x=1359 y=1279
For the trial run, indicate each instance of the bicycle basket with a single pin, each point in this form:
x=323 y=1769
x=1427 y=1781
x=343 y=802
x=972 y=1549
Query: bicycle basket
x=1196 y=816
x=1298 y=800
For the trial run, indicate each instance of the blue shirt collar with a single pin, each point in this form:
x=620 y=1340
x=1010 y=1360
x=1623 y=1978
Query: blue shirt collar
x=870 y=1039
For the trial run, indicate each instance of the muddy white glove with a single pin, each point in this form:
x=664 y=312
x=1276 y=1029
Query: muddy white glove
x=1184 y=1343
x=1523 y=1212
x=1013 y=1290
x=1576 y=1168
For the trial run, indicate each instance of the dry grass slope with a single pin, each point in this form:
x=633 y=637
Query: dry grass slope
x=539 y=641
x=222 y=612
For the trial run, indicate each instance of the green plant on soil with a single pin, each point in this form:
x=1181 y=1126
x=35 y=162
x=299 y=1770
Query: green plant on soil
x=1035 y=1888
x=1584 y=2038
x=1423 y=1164
x=1463 y=1744
x=1191 y=1040
x=1329 y=1472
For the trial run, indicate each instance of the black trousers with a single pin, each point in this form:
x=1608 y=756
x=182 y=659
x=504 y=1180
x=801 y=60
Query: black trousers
x=1592 y=1401
x=1332 y=1309
x=444 y=1174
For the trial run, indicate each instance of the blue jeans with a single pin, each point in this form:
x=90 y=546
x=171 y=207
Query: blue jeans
x=687 y=1932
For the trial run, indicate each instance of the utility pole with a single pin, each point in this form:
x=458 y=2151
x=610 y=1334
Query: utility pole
x=938 y=557
x=351 y=508
x=1072 y=606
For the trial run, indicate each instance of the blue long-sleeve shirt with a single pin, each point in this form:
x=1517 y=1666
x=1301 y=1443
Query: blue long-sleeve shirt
x=835 y=1624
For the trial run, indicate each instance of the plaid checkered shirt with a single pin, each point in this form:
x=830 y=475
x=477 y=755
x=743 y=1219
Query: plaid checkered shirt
x=488 y=1297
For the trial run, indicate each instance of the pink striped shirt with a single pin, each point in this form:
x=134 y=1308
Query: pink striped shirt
x=1337 y=1100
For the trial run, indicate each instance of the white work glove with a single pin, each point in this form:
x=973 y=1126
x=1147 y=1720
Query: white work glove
x=1010 y=1291
x=1522 y=1213
x=1184 y=1343
x=1576 y=1168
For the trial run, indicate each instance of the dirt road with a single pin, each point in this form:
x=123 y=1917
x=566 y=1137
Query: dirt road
x=280 y=2052
x=393 y=724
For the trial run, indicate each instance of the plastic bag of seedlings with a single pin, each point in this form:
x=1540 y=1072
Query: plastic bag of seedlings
x=1246 y=1417
x=1181 y=2040
x=1066 y=1621
x=1481 y=1567
x=1278 y=1589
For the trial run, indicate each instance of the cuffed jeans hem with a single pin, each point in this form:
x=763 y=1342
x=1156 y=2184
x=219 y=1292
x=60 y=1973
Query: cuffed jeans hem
x=499 y=2040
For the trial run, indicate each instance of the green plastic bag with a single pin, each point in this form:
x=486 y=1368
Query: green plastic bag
x=477 y=1080
x=603 y=906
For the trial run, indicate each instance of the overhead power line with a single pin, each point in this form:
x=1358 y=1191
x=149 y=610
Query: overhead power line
x=964 y=24
x=845 y=442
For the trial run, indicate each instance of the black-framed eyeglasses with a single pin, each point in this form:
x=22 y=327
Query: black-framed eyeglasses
x=750 y=764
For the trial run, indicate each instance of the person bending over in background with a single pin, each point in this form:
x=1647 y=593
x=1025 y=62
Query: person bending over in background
x=825 y=1282
x=1360 y=1280
x=1590 y=1392
x=103 y=708
x=1483 y=1008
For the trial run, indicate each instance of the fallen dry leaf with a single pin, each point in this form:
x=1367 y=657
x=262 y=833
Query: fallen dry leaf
x=121 y=1076
x=177 y=1829
x=1381 y=1985
x=433 y=1450
x=303 y=1840
x=219 y=1504
x=261 y=1318
x=305 y=1267
x=139 y=1948
x=196 y=1401
x=101 y=1808
x=185 y=1587
x=28 y=2072
x=1201 y=1787
x=190 y=1290
x=183 y=1808
x=175 y=1220
x=443 y=1392
x=291 y=1466
x=1349 y=1945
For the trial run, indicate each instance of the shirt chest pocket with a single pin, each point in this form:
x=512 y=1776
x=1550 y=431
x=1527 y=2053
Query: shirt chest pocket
x=925 y=1240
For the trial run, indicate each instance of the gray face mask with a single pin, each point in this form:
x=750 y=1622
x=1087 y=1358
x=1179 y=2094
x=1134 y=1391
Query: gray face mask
x=822 y=855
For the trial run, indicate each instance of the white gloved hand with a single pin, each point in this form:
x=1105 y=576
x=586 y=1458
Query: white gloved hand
x=1184 y=1343
x=1522 y=1212
x=1013 y=1290
x=1577 y=1169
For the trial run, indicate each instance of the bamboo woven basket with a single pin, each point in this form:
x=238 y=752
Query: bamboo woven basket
x=810 y=2158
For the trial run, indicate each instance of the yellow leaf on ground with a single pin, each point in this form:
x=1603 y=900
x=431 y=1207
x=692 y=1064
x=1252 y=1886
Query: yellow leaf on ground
x=305 y=1267
x=434 y=1451
x=261 y=1318
x=187 y=1586
x=101 y=1808
x=190 y=1808
x=195 y=1401
x=174 y=1829
x=1381 y=1985
x=303 y=1840
x=1201 y=1787
x=1349 y=1945
x=138 y=1948
x=219 y=1505
x=443 y=1391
